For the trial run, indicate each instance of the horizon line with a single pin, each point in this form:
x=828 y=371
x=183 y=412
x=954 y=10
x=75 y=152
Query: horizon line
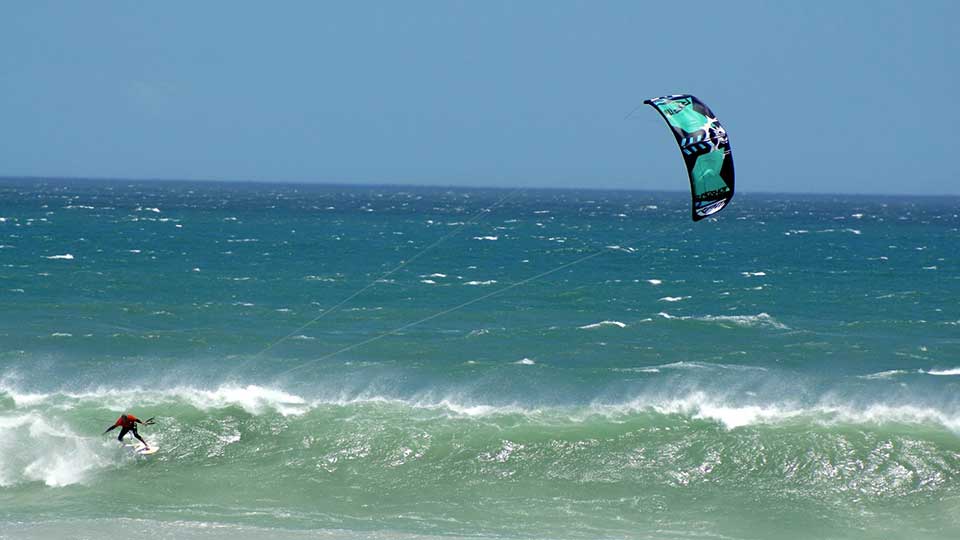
x=364 y=183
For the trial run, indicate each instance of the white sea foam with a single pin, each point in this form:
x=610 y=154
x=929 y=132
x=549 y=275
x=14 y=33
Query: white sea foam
x=487 y=282
x=479 y=332
x=674 y=298
x=733 y=415
x=636 y=370
x=66 y=257
x=760 y=319
x=525 y=362
x=254 y=399
x=460 y=408
x=691 y=365
x=889 y=374
x=40 y=448
x=325 y=279
x=730 y=411
x=852 y=231
x=428 y=281
x=942 y=372
x=753 y=274
x=746 y=321
x=654 y=281
x=490 y=238
x=601 y=324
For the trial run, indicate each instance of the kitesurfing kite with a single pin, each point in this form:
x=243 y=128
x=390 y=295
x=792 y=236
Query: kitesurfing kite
x=706 y=151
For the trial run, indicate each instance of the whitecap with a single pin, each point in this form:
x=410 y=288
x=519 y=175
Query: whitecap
x=66 y=257
x=942 y=372
x=889 y=374
x=760 y=319
x=602 y=324
x=254 y=399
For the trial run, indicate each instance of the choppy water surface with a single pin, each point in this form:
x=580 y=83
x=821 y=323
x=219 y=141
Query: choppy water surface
x=790 y=369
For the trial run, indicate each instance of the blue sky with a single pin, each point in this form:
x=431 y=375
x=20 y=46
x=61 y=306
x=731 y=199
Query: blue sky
x=846 y=96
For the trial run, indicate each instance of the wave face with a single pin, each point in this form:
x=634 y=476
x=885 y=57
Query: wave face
x=259 y=456
x=769 y=374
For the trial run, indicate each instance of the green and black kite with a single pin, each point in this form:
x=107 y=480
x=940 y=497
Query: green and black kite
x=706 y=151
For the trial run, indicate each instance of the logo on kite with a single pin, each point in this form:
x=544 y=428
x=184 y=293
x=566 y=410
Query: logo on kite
x=705 y=148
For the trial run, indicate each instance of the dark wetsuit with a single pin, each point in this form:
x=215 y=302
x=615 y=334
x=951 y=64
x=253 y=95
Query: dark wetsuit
x=127 y=422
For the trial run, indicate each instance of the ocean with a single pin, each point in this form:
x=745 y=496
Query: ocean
x=424 y=363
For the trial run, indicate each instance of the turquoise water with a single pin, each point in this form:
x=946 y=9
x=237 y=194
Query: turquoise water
x=790 y=369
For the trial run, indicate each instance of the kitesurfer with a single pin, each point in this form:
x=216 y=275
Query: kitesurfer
x=128 y=422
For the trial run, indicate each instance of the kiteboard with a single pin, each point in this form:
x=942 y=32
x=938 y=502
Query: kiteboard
x=139 y=449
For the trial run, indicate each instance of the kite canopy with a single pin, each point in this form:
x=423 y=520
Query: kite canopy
x=706 y=151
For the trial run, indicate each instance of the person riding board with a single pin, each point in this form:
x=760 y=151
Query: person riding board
x=128 y=422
